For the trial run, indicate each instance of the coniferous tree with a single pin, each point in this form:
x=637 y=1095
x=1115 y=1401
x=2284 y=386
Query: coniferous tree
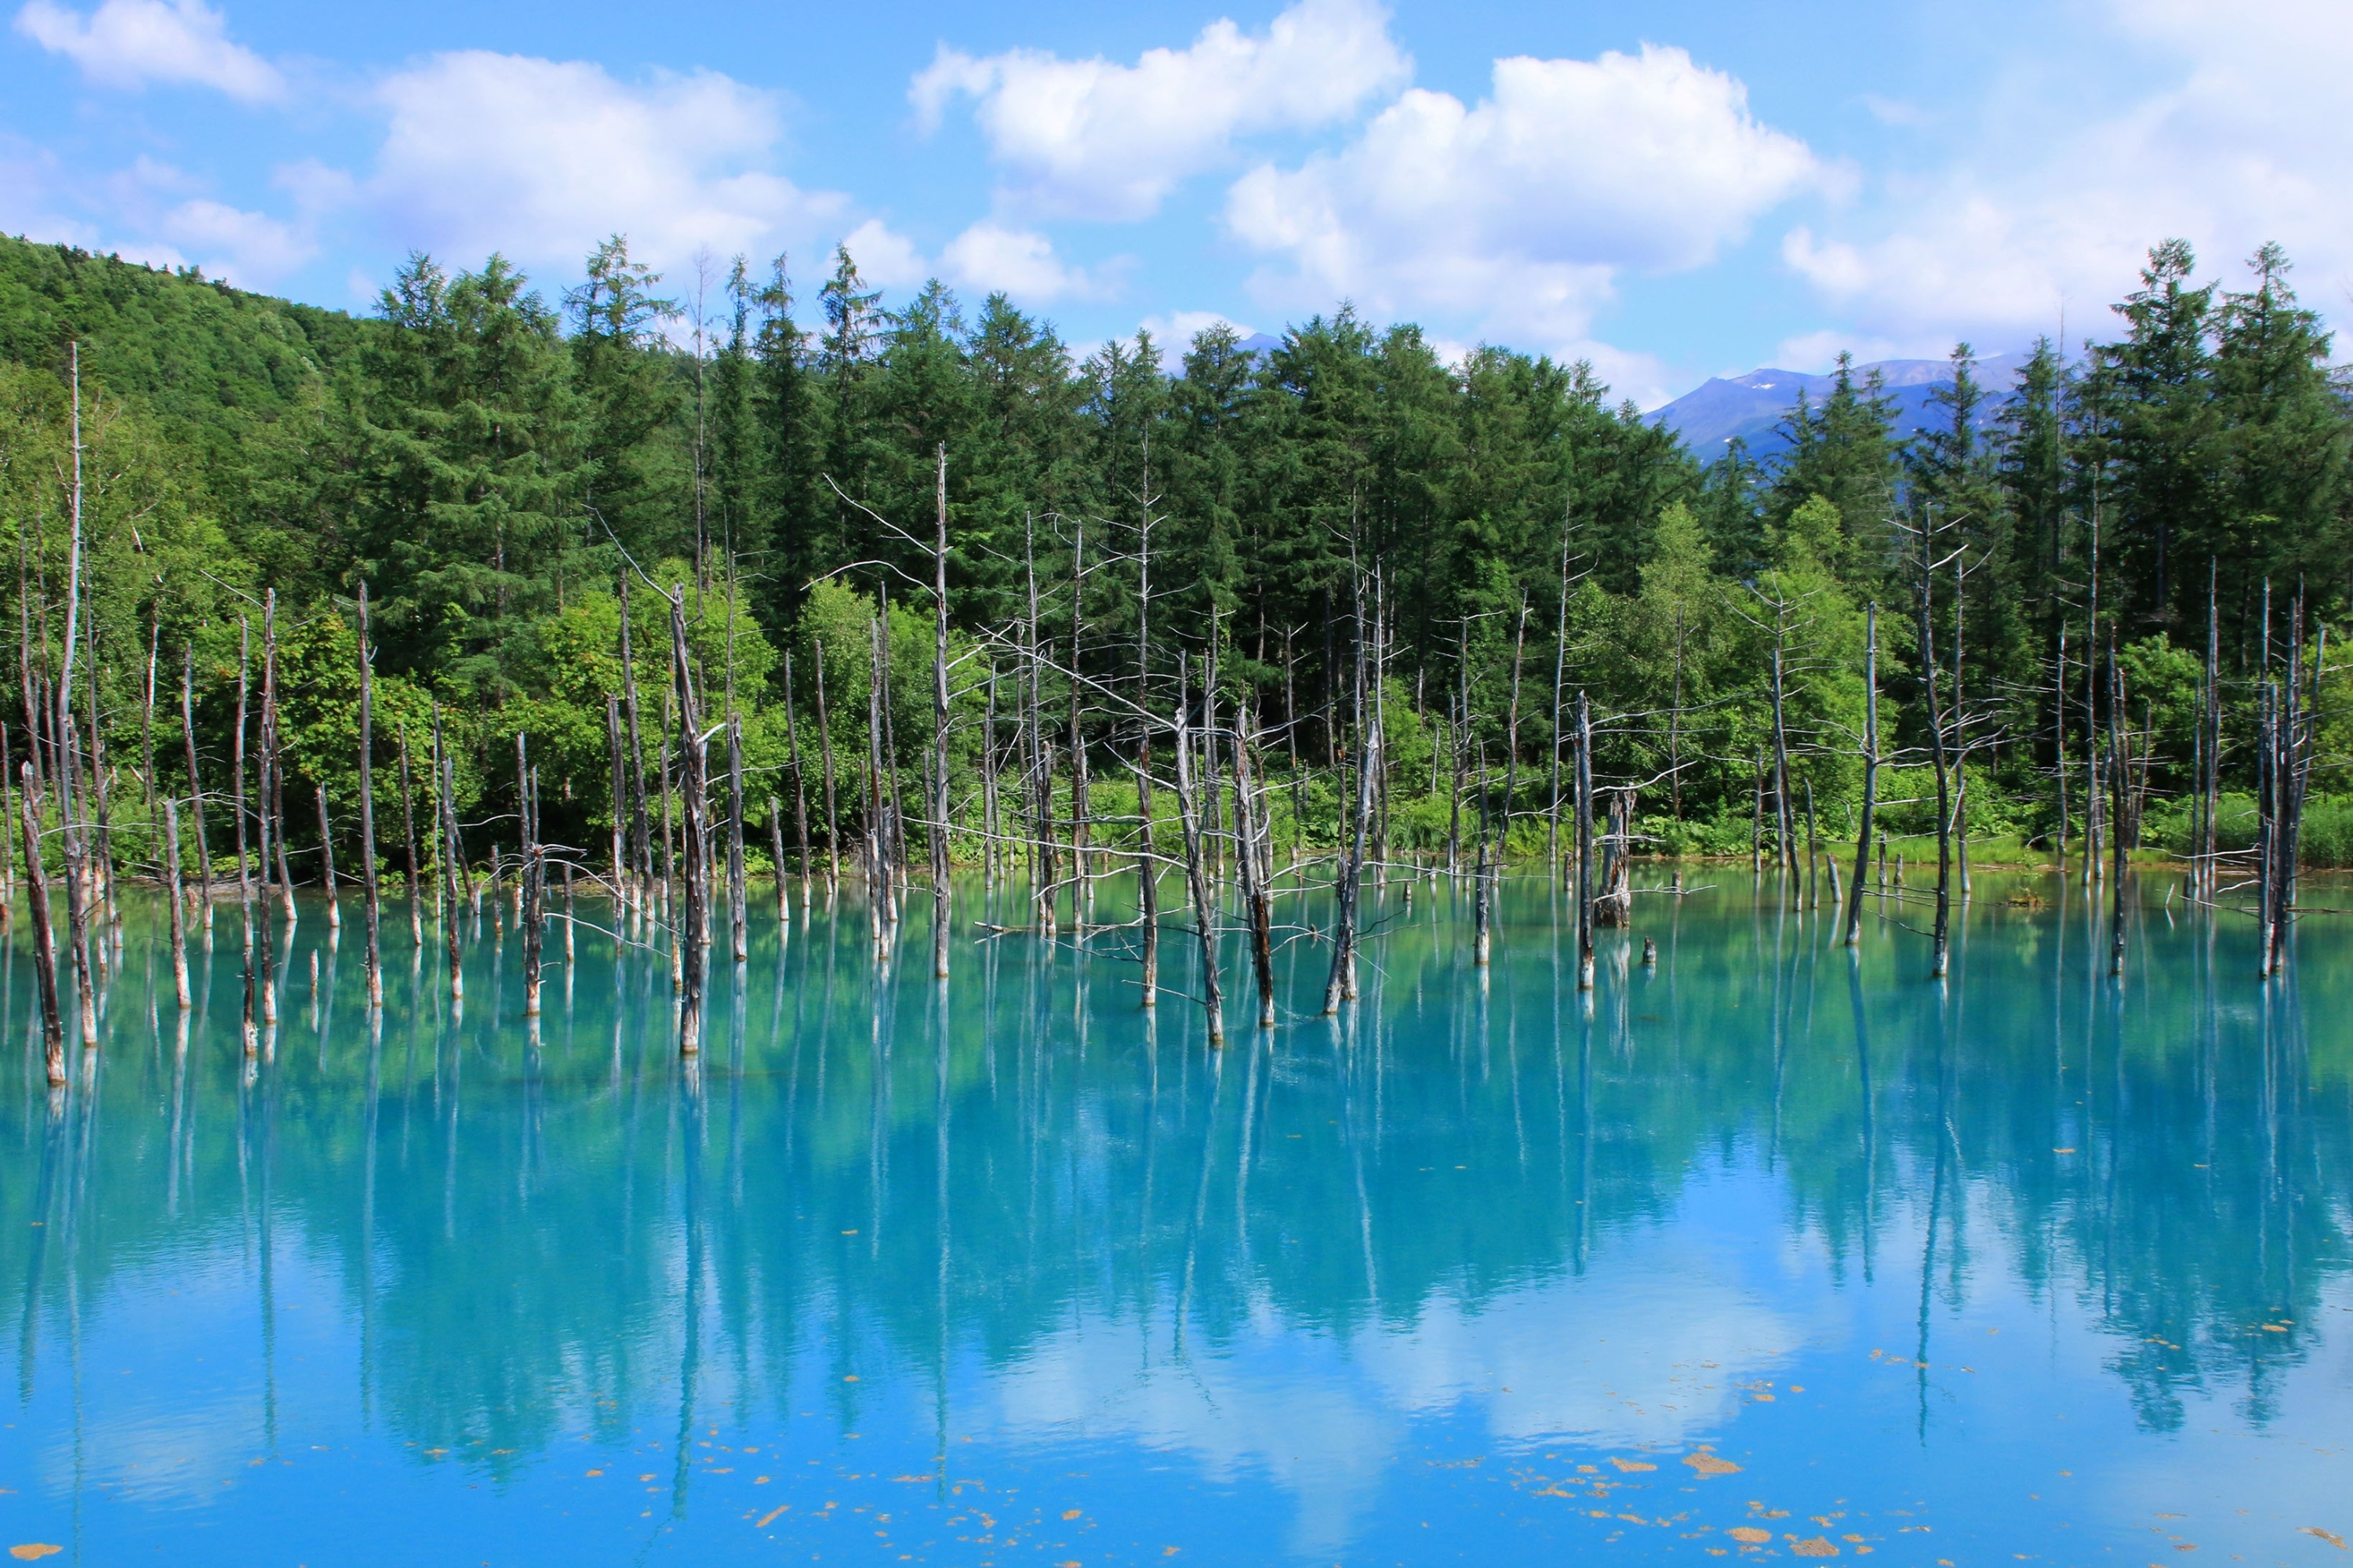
x=633 y=483
x=2163 y=438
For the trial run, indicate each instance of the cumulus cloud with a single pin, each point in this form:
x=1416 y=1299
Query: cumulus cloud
x=130 y=43
x=1175 y=331
x=34 y=196
x=1516 y=215
x=990 y=256
x=1325 y=1417
x=248 y=248
x=541 y=159
x=2238 y=141
x=1092 y=138
x=885 y=258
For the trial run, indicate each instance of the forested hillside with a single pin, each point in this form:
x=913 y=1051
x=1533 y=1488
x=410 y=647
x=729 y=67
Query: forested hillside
x=494 y=463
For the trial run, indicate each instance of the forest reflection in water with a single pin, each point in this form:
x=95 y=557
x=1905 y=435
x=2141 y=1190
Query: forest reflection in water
x=2029 y=1261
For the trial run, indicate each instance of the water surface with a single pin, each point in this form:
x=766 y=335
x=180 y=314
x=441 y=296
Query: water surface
x=1770 y=1250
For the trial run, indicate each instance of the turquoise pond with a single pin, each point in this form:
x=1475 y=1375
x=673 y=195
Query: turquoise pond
x=1773 y=1250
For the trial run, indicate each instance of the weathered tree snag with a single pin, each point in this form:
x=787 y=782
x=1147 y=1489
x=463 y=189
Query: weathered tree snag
x=45 y=941
x=1869 y=774
x=1584 y=844
x=1197 y=873
x=1614 y=904
x=367 y=812
x=178 y=905
x=939 y=826
x=327 y=861
x=825 y=742
x=689 y=938
x=1255 y=898
x=620 y=786
x=776 y=855
x=641 y=822
x=530 y=875
x=738 y=895
x=800 y=784
x=412 y=871
x=448 y=849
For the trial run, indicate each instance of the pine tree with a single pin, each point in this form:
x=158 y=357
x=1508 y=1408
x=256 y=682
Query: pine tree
x=635 y=482
x=2163 y=510
x=1845 y=452
x=2280 y=469
x=470 y=471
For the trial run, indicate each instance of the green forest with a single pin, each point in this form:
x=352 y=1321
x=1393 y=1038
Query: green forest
x=2115 y=574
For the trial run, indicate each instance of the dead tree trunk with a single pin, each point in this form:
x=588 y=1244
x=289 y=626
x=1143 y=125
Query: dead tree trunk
x=1870 y=773
x=1255 y=897
x=1341 y=984
x=1197 y=873
x=800 y=784
x=237 y=771
x=412 y=871
x=450 y=851
x=195 y=780
x=1080 y=887
x=1147 y=873
x=178 y=905
x=939 y=826
x=825 y=744
x=776 y=853
x=2116 y=784
x=527 y=850
x=1584 y=844
x=1785 y=847
x=1614 y=905
x=273 y=766
x=1941 y=937
x=697 y=847
x=738 y=895
x=2210 y=728
x=640 y=822
x=45 y=941
x=367 y=812
x=620 y=806
x=327 y=861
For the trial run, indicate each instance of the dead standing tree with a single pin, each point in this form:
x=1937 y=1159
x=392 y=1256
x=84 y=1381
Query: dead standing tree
x=1197 y=869
x=1853 y=933
x=367 y=809
x=689 y=940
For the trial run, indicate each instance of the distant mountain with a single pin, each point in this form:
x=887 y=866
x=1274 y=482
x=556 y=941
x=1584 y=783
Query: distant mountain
x=1751 y=407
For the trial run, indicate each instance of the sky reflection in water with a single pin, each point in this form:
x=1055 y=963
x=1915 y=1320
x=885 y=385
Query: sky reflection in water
x=2031 y=1263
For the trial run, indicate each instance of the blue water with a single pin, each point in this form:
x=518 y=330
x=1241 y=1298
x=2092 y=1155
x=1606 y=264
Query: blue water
x=2031 y=1266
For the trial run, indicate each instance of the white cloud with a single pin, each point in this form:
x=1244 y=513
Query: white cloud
x=1175 y=331
x=130 y=43
x=542 y=159
x=2239 y=140
x=251 y=250
x=1649 y=1351
x=885 y=258
x=1816 y=352
x=1515 y=216
x=1095 y=139
x=33 y=200
x=990 y=256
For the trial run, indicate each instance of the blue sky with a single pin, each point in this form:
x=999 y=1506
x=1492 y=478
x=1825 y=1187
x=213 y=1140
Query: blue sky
x=1673 y=191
